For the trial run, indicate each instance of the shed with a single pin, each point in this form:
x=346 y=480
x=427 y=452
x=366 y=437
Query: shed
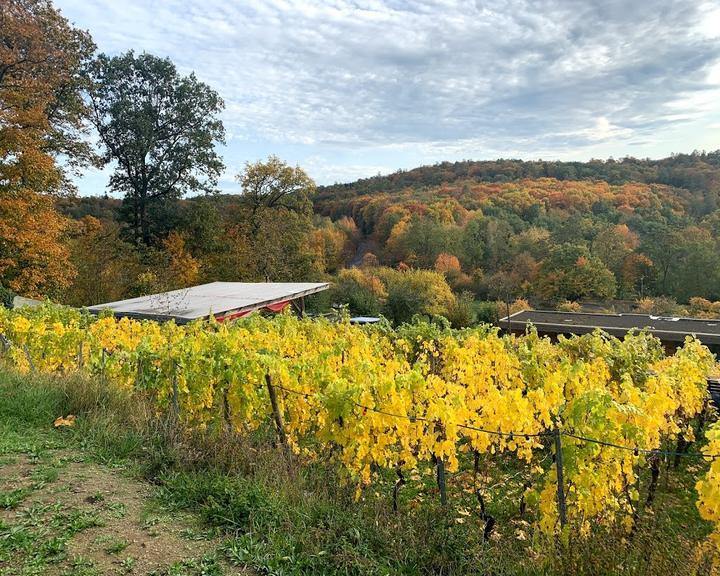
x=223 y=300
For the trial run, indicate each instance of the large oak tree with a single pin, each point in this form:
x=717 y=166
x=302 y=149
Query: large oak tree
x=159 y=128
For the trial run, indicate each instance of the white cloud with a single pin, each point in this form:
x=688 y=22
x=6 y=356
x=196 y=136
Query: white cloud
x=709 y=23
x=436 y=76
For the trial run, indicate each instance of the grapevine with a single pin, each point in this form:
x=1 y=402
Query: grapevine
x=378 y=399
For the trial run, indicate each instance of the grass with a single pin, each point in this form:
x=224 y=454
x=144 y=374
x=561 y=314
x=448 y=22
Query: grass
x=275 y=517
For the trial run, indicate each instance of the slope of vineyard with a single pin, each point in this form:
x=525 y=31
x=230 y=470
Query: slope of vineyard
x=407 y=399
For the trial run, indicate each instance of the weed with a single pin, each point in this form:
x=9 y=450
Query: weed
x=116 y=509
x=116 y=546
x=44 y=475
x=128 y=565
x=14 y=538
x=96 y=498
x=35 y=513
x=205 y=566
x=52 y=549
x=10 y=500
x=81 y=566
x=76 y=521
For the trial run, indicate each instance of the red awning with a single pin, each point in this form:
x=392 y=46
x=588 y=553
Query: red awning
x=276 y=307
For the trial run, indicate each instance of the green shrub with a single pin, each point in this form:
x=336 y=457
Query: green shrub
x=6 y=296
x=486 y=312
x=461 y=313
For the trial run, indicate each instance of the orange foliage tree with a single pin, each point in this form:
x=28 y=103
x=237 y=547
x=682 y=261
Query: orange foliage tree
x=41 y=116
x=183 y=269
x=447 y=264
x=33 y=258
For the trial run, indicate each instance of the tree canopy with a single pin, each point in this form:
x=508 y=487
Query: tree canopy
x=159 y=128
x=42 y=117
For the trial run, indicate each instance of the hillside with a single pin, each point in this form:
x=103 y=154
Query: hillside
x=636 y=227
x=696 y=171
x=544 y=231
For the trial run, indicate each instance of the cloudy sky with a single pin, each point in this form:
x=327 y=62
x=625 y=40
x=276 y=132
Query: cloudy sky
x=351 y=88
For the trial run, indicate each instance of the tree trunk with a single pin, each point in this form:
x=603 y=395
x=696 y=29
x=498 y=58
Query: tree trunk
x=144 y=224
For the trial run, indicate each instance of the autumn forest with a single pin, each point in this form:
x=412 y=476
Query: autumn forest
x=449 y=239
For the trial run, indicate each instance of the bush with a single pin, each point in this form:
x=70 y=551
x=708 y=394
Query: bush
x=6 y=297
x=703 y=308
x=413 y=292
x=569 y=306
x=398 y=294
x=462 y=313
x=487 y=312
x=361 y=290
x=664 y=306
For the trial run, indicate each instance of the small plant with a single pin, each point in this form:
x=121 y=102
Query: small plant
x=77 y=521
x=96 y=498
x=43 y=476
x=10 y=500
x=81 y=566
x=52 y=550
x=205 y=566
x=34 y=514
x=242 y=550
x=117 y=546
x=116 y=509
x=128 y=564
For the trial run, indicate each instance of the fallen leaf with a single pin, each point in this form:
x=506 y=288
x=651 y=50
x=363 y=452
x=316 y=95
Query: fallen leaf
x=61 y=421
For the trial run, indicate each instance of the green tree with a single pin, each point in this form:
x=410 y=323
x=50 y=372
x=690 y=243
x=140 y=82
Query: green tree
x=160 y=129
x=274 y=185
x=571 y=273
x=697 y=271
x=426 y=238
x=413 y=292
x=472 y=241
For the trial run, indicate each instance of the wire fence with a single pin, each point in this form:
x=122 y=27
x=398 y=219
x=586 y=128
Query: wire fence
x=526 y=435
x=556 y=434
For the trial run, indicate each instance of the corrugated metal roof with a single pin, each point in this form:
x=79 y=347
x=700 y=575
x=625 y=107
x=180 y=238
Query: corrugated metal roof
x=667 y=328
x=216 y=298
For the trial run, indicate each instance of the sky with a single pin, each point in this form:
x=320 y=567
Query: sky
x=349 y=89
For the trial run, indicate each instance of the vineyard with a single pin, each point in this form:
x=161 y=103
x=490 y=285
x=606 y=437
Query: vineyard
x=585 y=418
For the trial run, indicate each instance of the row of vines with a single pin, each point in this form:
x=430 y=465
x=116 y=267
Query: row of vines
x=380 y=399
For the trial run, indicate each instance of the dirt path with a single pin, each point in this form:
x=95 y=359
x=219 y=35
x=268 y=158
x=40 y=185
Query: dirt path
x=60 y=515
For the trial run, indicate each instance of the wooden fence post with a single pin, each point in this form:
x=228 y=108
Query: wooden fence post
x=560 y=481
x=103 y=353
x=29 y=357
x=226 y=409
x=175 y=399
x=442 y=484
x=277 y=415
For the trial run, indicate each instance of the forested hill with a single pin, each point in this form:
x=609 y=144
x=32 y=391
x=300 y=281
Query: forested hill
x=697 y=171
x=548 y=230
x=544 y=231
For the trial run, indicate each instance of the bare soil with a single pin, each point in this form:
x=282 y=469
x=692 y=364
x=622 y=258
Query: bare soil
x=109 y=522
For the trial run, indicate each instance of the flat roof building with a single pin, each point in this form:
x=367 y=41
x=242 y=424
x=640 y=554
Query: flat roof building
x=223 y=300
x=671 y=331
